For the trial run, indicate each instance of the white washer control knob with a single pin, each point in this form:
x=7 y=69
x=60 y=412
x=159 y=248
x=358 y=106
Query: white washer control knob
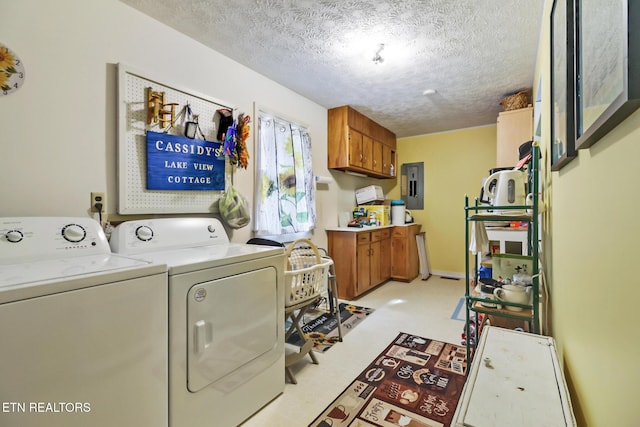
x=74 y=233
x=211 y=228
x=14 y=236
x=144 y=233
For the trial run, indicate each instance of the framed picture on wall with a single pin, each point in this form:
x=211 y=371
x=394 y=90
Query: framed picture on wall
x=562 y=84
x=608 y=65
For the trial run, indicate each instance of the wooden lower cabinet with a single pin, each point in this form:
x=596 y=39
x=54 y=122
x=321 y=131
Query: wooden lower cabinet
x=362 y=260
x=385 y=258
x=405 y=264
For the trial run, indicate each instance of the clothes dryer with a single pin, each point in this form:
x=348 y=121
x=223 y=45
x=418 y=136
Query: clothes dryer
x=226 y=317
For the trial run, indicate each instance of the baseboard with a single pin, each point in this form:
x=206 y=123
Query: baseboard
x=448 y=274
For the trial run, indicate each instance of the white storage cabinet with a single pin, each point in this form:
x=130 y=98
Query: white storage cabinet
x=515 y=380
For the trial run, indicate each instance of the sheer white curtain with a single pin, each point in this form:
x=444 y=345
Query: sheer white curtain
x=285 y=196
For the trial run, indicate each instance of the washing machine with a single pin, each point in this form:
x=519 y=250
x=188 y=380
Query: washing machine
x=226 y=317
x=83 y=332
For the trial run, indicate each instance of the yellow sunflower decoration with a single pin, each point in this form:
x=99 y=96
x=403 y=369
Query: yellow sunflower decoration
x=7 y=58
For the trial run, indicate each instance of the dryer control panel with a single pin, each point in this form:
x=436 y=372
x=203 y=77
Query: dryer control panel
x=136 y=237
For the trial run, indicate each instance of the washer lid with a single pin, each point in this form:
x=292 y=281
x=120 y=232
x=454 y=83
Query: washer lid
x=63 y=268
x=38 y=278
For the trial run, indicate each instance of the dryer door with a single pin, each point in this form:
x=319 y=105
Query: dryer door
x=233 y=321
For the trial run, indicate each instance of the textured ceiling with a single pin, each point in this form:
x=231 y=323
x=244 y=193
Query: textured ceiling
x=471 y=52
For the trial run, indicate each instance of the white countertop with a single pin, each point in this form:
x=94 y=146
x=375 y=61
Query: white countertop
x=366 y=228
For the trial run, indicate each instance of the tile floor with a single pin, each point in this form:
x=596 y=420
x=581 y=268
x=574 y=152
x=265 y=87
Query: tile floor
x=422 y=308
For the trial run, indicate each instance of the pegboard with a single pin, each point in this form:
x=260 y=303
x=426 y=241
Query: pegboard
x=133 y=196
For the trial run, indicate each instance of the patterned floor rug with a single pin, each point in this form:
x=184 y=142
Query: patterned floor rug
x=323 y=329
x=414 y=382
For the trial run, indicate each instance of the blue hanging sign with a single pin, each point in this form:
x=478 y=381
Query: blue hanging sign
x=178 y=163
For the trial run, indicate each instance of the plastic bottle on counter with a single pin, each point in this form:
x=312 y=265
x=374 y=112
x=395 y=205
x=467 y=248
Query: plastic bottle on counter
x=372 y=219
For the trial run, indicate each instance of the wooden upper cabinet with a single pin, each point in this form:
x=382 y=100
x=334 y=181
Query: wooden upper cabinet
x=367 y=152
x=514 y=128
x=376 y=156
x=388 y=159
x=358 y=121
x=356 y=149
x=358 y=144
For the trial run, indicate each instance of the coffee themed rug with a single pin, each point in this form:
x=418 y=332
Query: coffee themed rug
x=414 y=382
x=323 y=329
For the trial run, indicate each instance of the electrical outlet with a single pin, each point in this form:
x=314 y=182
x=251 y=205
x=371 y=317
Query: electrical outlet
x=98 y=198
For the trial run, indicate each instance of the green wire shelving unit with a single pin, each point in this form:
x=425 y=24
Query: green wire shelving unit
x=476 y=212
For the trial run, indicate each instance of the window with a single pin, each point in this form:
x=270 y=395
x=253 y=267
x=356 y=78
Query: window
x=285 y=196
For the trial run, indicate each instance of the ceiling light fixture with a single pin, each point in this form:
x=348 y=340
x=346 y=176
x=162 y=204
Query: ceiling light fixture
x=429 y=92
x=377 y=58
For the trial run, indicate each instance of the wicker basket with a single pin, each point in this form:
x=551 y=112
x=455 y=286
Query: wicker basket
x=306 y=273
x=515 y=101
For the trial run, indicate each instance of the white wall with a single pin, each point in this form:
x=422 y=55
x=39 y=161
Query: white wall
x=59 y=131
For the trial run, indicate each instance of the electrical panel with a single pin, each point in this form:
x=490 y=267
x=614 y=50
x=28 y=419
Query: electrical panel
x=412 y=185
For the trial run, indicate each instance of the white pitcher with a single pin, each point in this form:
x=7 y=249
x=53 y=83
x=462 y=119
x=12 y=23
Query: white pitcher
x=513 y=293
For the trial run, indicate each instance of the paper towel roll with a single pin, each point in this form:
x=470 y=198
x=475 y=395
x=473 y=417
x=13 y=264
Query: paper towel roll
x=323 y=179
